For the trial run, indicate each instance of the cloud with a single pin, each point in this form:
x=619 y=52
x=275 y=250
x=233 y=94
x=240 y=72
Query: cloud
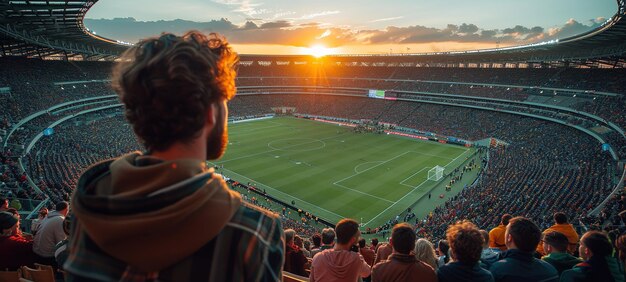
x=325 y=34
x=316 y=15
x=468 y=28
x=290 y=32
x=276 y=24
x=246 y=7
x=386 y=19
x=571 y=28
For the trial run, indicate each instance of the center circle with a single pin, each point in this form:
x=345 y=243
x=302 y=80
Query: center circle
x=296 y=144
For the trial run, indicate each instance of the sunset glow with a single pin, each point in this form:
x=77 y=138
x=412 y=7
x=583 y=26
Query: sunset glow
x=318 y=51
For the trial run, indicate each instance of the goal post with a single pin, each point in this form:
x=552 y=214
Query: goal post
x=435 y=173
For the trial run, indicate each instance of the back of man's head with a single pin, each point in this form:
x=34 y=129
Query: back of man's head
x=168 y=84
x=485 y=235
x=524 y=233
x=361 y=243
x=466 y=242
x=505 y=219
x=560 y=218
x=60 y=206
x=328 y=236
x=374 y=242
x=317 y=239
x=403 y=238
x=598 y=243
x=556 y=240
x=346 y=229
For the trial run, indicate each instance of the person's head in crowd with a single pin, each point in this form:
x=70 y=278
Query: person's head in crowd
x=620 y=245
x=442 y=248
x=362 y=243
x=485 y=235
x=14 y=212
x=9 y=224
x=560 y=218
x=348 y=233
x=289 y=236
x=424 y=251
x=307 y=244
x=43 y=212
x=374 y=242
x=4 y=204
x=402 y=238
x=297 y=240
x=175 y=90
x=595 y=244
x=466 y=242
x=555 y=242
x=328 y=237
x=522 y=234
x=317 y=240
x=62 y=207
x=504 y=220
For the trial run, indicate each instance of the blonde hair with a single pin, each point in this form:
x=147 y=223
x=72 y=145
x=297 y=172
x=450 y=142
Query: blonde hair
x=425 y=252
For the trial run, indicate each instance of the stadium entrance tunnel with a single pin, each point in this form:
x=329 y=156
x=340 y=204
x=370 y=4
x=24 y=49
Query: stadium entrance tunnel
x=296 y=144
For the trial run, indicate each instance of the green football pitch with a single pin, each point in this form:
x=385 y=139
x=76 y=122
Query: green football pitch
x=333 y=172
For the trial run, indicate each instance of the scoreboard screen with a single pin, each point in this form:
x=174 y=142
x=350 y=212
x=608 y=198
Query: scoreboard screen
x=378 y=94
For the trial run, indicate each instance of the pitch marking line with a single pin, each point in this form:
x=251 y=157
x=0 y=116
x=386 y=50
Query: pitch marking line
x=456 y=158
x=402 y=182
x=366 y=194
x=265 y=152
x=249 y=131
x=384 y=162
x=357 y=166
x=411 y=192
x=281 y=192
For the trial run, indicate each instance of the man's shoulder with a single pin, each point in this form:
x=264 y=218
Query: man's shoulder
x=252 y=219
x=545 y=265
x=367 y=251
x=380 y=266
x=508 y=265
x=496 y=229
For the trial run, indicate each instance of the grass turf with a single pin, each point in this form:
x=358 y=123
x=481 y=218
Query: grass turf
x=333 y=172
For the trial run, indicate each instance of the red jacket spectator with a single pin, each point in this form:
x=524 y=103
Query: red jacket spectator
x=15 y=250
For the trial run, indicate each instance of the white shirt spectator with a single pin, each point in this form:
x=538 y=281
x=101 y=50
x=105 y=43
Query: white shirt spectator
x=49 y=234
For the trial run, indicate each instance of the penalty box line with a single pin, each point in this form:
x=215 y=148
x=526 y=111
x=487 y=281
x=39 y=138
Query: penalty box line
x=412 y=191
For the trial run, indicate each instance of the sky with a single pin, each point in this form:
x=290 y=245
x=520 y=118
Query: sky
x=334 y=26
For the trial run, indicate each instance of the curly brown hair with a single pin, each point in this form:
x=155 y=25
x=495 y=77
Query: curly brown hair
x=167 y=84
x=465 y=241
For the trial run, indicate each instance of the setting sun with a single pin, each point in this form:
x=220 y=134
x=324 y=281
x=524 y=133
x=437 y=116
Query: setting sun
x=318 y=51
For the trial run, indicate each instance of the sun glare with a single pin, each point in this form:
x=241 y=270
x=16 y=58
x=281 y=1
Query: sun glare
x=318 y=51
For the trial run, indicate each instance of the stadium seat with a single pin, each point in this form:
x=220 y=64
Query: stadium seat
x=10 y=276
x=290 y=277
x=38 y=275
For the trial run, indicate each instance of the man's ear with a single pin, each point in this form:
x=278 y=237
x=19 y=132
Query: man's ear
x=211 y=114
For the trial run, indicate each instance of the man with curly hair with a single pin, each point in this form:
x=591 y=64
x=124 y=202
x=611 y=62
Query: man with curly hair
x=466 y=246
x=164 y=215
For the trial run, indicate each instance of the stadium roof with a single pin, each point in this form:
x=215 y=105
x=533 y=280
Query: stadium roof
x=55 y=28
x=51 y=28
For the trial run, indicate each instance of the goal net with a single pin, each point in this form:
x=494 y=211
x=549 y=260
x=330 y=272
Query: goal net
x=435 y=173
